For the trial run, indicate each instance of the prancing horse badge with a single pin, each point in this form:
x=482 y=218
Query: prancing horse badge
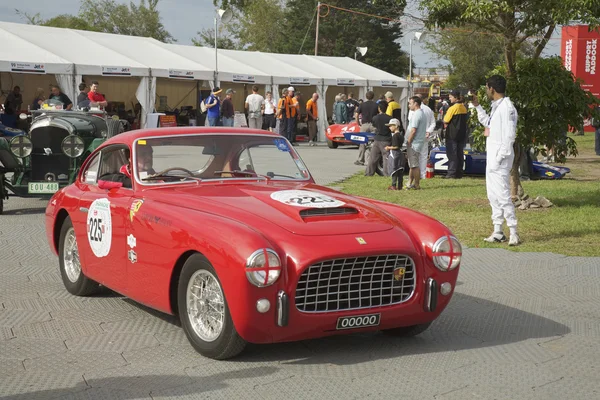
x=361 y=240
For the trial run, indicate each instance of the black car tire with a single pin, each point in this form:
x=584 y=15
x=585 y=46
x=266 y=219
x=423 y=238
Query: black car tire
x=229 y=343
x=83 y=286
x=408 y=331
x=331 y=144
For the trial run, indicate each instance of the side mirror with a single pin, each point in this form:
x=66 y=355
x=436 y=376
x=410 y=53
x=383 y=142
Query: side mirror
x=23 y=116
x=109 y=185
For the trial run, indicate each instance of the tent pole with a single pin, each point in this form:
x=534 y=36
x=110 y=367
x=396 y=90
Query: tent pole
x=317 y=35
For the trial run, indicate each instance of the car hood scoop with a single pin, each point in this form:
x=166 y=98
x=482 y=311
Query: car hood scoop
x=309 y=210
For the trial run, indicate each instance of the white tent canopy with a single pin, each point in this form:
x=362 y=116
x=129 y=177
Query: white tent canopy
x=69 y=54
x=228 y=68
x=19 y=55
x=148 y=52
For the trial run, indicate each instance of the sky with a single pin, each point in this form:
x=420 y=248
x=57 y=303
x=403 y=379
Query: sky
x=183 y=18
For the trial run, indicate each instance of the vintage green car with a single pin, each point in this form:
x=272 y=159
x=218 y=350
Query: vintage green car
x=48 y=158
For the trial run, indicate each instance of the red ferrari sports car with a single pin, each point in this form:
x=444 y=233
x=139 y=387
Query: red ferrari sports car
x=335 y=134
x=227 y=229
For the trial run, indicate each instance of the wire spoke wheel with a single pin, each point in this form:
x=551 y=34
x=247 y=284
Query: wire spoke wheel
x=205 y=305
x=71 y=256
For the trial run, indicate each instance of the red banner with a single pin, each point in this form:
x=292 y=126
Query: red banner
x=579 y=51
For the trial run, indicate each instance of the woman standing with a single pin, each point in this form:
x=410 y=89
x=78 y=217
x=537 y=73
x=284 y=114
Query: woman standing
x=269 y=116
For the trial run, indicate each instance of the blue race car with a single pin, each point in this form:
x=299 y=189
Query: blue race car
x=475 y=163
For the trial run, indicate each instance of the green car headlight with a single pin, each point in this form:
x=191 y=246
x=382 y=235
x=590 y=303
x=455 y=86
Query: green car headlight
x=21 y=146
x=72 y=146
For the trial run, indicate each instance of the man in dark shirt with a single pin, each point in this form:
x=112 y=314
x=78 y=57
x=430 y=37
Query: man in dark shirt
x=383 y=138
x=60 y=96
x=227 y=108
x=364 y=117
x=13 y=101
x=83 y=94
x=351 y=106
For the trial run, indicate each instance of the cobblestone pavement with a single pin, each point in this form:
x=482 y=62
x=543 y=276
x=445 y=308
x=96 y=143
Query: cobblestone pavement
x=520 y=326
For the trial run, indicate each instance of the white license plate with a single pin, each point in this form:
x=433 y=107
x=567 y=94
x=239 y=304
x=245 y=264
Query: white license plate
x=43 y=187
x=358 y=321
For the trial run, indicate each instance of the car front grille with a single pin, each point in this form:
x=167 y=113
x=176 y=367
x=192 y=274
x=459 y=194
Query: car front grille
x=354 y=283
x=47 y=157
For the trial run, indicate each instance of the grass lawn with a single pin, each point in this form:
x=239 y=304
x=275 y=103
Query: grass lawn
x=570 y=227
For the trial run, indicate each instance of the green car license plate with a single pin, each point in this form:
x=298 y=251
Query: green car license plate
x=43 y=187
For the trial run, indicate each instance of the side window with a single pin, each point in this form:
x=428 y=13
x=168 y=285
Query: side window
x=112 y=161
x=91 y=173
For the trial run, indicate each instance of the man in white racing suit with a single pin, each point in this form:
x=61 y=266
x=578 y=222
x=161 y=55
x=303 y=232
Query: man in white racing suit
x=500 y=131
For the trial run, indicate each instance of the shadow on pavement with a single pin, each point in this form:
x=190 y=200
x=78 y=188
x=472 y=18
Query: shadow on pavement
x=144 y=386
x=468 y=323
x=25 y=211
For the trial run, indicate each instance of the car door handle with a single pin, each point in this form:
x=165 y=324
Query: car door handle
x=84 y=209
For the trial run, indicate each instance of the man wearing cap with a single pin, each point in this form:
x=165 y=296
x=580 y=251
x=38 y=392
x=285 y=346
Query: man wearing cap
x=213 y=104
x=227 y=108
x=455 y=122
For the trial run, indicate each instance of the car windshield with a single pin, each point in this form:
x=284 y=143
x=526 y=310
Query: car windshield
x=208 y=157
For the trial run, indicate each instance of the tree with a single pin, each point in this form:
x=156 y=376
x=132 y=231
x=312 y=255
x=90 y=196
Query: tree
x=206 y=37
x=515 y=22
x=471 y=53
x=110 y=17
x=289 y=27
x=134 y=20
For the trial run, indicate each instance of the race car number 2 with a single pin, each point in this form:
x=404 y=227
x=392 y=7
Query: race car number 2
x=306 y=198
x=99 y=227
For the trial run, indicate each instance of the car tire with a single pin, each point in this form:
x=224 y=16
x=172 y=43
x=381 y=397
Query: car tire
x=408 y=331
x=71 y=272
x=331 y=144
x=221 y=345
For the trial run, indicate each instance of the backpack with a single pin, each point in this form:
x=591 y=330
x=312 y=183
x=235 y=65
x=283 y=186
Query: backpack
x=203 y=107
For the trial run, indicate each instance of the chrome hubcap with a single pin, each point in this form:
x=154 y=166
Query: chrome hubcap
x=205 y=305
x=71 y=257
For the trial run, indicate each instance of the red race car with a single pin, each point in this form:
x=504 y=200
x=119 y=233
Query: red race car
x=335 y=134
x=227 y=229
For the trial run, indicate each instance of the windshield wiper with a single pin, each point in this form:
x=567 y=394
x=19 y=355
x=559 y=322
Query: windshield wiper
x=163 y=176
x=247 y=173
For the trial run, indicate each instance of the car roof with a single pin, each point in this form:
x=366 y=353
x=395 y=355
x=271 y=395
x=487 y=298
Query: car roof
x=129 y=137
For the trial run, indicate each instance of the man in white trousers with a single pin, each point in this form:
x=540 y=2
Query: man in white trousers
x=430 y=118
x=500 y=131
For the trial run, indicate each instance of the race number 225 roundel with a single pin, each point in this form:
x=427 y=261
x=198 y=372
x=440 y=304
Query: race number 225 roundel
x=306 y=198
x=99 y=227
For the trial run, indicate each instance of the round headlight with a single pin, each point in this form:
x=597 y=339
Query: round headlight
x=263 y=267
x=447 y=253
x=72 y=146
x=21 y=146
